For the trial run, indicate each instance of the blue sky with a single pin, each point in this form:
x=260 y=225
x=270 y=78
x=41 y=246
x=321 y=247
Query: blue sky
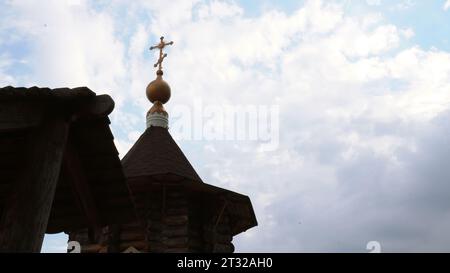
x=363 y=89
x=428 y=19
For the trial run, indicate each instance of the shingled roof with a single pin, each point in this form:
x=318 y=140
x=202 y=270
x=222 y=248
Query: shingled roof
x=10 y=93
x=155 y=153
x=156 y=159
x=90 y=138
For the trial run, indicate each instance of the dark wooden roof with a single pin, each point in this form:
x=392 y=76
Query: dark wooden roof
x=91 y=143
x=155 y=153
x=10 y=93
x=155 y=159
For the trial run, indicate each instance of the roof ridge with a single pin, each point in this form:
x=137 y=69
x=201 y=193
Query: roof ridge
x=156 y=152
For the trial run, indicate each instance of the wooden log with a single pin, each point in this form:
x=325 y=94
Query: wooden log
x=175 y=231
x=176 y=203
x=132 y=225
x=132 y=230
x=177 y=250
x=98 y=106
x=155 y=236
x=196 y=243
x=155 y=226
x=177 y=211
x=81 y=237
x=156 y=247
x=19 y=115
x=91 y=248
x=26 y=214
x=104 y=249
x=223 y=248
x=113 y=238
x=126 y=236
x=176 y=220
x=176 y=242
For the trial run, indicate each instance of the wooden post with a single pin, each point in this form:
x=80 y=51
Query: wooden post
x=75 y=173
x=24 y=221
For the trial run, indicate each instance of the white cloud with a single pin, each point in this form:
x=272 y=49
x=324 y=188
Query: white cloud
x=359 y=110
x=75 y=44
x=447 y=5
x=219 y=10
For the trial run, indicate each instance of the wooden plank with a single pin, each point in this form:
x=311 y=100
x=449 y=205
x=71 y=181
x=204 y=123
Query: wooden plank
x=99 y=106
x=176 y=220
x=26 y=214
x=175 y=232
x=19 y=115
x=174 y=242
x=91 y=248
x=60 y=225
x=113 y=239
x=126 y=236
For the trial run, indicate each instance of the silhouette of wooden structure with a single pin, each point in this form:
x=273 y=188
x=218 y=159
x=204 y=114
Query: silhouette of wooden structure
x=60 y=172
x=177 y=211
x=59 y=168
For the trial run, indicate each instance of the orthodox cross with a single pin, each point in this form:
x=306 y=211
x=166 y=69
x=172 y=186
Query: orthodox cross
x=161 y=46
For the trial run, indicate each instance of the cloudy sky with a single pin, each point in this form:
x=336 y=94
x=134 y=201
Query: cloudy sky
x=363 y=90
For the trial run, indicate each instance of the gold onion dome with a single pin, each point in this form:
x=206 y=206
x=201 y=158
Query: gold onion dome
x=158 y=90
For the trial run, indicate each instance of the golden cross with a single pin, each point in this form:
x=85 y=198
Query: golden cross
x=160 y=46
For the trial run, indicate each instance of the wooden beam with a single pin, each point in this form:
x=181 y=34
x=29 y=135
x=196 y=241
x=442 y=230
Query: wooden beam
x=113 y=238
x=99 y=106
x=222 y=210
x=24 y=221
x=75 y=174
x=20 y=115
x=16 y=115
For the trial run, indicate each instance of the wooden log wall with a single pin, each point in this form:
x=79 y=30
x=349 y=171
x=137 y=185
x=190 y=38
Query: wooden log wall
x=112 y=239
x=167 y=222
x=216 y=229
x=173 y=222
x=132 y=235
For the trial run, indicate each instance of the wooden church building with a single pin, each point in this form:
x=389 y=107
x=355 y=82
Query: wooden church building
x=151 y=201
x=176 y=211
